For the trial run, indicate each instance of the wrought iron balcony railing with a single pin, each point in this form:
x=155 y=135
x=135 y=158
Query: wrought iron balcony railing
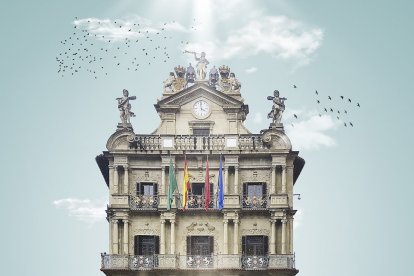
x=143 y=202
x=255 y=262
x=254 y=202
x=197 y=261
x=143 y=262
x=199 y=202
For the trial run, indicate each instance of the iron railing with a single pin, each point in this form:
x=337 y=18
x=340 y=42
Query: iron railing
x=255 y=262
x=254 y=202
x=143 y=202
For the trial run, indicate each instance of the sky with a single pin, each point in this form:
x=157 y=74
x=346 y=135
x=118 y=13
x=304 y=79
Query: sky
x=355 y=213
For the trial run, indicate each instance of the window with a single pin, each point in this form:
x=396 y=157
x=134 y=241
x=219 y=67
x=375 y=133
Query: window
x=196 y=197
x=254 y=245
x=201 y=131
x=254 y=195
x=200 y=245
x=146 y=245
x=147 y=189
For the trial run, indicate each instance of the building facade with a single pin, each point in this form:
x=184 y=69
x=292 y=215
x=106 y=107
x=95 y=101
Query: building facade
x=200 y=120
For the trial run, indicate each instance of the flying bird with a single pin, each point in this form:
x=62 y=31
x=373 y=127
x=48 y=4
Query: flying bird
x=326 y=110
x=294 y=86
x=358 y=105
x=318 y=101
x=349 y=100
x=316 y=92
x=351 y=124
x=342 y=97
x=331 y=110
x=345 y=124
x=329 y=97
x=294 y=115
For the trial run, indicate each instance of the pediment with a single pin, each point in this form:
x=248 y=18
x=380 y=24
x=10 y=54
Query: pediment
x=196 y=91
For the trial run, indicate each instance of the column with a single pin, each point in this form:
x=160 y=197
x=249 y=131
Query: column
x=236 y=180
x=283 y=179
x=172 y=239
x=111 y=227
x=273 y=237
x=162 y=188
x=226 y=180
x=236 y=237
x=126 y=180
x=162 y=237
x=226 y=243
x=273 y=187
x=283 y=236
x=126 y=238
x=116 y=178
x=291 y=236
x=115 y=237
x=111 y=183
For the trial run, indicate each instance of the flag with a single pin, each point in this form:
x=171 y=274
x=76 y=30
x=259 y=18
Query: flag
x=220 y=197
x=207 y=188
x=173 y=184
x=186 y=183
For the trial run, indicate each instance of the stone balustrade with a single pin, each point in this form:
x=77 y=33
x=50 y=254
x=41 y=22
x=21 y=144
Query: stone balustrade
x=244 y=142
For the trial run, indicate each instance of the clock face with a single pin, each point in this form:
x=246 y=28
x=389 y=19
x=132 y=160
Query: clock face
x=201 y=109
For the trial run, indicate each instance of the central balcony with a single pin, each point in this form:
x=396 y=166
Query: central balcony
x=196 y=262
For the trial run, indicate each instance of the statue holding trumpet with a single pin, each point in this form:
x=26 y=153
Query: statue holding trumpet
x=201 y=66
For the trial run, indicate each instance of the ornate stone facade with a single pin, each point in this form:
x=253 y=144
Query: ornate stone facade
x=253 y=231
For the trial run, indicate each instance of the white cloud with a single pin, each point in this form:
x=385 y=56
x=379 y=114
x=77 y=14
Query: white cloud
x=279 y=36
x=251 y=70
x=311 y=133
x=258 y=118
x=84 y=210
x=298 y=219
x=131 y=28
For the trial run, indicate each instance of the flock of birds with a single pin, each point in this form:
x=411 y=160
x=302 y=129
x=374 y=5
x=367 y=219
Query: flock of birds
x=340 y=113
x=91 y=51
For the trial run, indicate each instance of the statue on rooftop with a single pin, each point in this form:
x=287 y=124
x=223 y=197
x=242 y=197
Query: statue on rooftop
x=201 y=66
x=179 y=83
x=168 y=83
x=190 y=74
x=125 y=108
x=234 y=82
x=224 y=84
x=278 y=107
x=213 y=76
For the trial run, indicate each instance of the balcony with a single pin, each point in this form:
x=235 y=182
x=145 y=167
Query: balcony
x=143 y=202
x=196 y=262
x=244 y=142
x=254 y=202
x=199 y=202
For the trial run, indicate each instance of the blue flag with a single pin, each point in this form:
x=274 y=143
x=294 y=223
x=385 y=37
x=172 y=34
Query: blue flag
x=220 y=197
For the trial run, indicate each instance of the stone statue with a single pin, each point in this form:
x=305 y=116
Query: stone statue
x=278 y=107
x=214 y=76
x=224 y=84
x=125 y=108
x=235 y=84
x=168 y=83
x=201 y=66
x=180 y=82
x=190 y=74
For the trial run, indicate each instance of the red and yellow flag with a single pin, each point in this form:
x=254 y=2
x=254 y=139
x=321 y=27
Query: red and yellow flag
x=186 y=183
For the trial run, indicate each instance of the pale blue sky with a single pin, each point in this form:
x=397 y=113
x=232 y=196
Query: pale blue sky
x=355 y=216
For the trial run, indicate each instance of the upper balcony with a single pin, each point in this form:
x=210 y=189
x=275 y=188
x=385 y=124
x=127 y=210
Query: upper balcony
x=197 y=262
x=243 y=142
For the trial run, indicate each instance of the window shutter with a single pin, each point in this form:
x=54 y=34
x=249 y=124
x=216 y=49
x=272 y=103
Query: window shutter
x=188 y=245
x=136 y=245
x=155 y=189
x=266 y=244
x=245 y=188
x=243 y=244
x=211 y=240
x=264 y=191
x=157 y=245
x=138 y=188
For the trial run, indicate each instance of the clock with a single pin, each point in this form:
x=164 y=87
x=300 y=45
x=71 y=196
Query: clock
x=201 y=109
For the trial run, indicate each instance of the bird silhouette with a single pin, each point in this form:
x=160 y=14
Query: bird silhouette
x=358 y=105
x=318 y=101
x=316 y=92
x=351 y=124
x=349 y=100
x=326 y=110
x=294 y=115
x=294 y=86
x=342 y=97
x=329 y=97
x=331 y=110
